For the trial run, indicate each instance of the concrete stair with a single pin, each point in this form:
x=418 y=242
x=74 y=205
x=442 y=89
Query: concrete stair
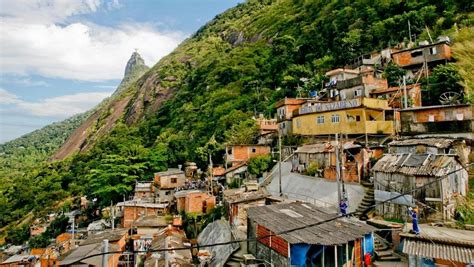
x=383 y=250
x=362 y=211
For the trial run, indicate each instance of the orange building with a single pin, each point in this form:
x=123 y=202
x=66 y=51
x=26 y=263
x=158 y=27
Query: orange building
x=237 y=154
x=266 y=126
x=132 y=210
x=448 y=120
x=285 y=109
x=395 y=97
x=194 y=201
x=430 y=54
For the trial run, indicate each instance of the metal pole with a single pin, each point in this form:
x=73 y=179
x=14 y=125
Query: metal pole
x=166 y=252
x=338 y=172
x=73 y=225
x=105 y=250
x=112 y=213
x=405 y=95
x=279 y=161
x=335 y=255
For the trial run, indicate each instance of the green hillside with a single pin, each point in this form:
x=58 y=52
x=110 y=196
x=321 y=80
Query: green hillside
x=237 y=65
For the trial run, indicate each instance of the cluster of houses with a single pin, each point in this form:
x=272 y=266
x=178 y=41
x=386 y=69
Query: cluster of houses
x=373 y=147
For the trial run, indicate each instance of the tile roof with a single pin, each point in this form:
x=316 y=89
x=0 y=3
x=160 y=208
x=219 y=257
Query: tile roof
x=325 y=147
x=218 y=232
x=170 y=171
x=429 y=249
x=282 y=217
x=434 y=142
x=239 y=195
x=111 y=235
x=151 y=221
x=416 y=164
x=138 y=203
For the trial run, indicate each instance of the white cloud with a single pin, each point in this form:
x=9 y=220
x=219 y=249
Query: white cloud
x=7 y=97
x=59 y=107
x=47 y=11
x=37 y=39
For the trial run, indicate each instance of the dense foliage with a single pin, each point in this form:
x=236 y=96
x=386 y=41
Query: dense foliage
x=236 y=66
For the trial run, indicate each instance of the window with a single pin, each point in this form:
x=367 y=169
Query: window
x=174 y=180
x=254 y=150
x=358 y=92
x=320 y=120
x=167 y=193
x=416 y=53
x=433 y=50
x=357 y=118
x=335 y=118
x=431 y=117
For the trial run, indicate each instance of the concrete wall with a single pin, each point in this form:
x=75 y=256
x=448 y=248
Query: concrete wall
x=308 y=124
x=131 y=213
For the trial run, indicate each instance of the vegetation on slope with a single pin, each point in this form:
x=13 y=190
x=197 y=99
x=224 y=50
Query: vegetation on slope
x=237 y=65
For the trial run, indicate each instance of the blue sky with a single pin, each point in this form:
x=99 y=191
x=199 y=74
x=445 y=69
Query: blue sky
x=62 y=57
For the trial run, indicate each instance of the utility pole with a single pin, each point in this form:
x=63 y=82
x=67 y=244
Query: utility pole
x=105 y=256
x=112 y=213
x=210 y=175
x=338 y=171
x=73 y=225
x=409 y=30
x=279 y=161
x=405 y=96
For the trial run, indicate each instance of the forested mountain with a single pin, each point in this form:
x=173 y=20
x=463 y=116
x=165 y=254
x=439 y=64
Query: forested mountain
x=238 y=64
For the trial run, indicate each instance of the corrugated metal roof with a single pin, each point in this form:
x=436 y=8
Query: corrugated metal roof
x=239 y=195
x=416 y=164
x=282 y=217
x=218 y=232
x=325 y=147
x=434 y=142
x=429 y=249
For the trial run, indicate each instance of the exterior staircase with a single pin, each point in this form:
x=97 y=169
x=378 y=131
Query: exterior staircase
x=367 y=201
x=383 y=250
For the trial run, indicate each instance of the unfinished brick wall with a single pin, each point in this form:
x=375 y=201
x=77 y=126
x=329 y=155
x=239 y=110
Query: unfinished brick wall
x=276 y=243
x=199 y=203
x=131 y=213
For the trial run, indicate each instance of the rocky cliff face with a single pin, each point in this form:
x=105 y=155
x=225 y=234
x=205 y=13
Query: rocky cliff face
x=106 y=114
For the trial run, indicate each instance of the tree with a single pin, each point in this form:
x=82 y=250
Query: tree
x=393 y=74
x=260 y=164
x=244 y=132
x=444 y=78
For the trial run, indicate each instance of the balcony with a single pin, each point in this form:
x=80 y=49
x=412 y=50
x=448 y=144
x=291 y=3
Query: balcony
x=349 y=83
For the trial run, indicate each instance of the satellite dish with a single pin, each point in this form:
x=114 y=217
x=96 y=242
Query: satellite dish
x=450 y=98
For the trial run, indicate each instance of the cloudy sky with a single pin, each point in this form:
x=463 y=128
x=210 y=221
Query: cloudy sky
x=62 y=57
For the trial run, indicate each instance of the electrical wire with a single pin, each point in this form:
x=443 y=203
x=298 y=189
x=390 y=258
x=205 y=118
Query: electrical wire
x=289 y=230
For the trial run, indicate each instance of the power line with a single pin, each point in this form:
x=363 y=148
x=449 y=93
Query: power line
x=289 y=230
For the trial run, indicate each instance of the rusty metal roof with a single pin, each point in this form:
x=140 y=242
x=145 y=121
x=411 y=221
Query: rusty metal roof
x=283 y=217
x=434 y=142
x=417 y=164
x=325 y=147
x=239 y=195
x=429 y=249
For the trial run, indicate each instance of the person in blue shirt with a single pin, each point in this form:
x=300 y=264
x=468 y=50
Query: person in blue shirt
x=414 y=217
x=343 y=207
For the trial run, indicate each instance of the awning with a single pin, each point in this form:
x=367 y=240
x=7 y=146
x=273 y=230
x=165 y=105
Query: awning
x=434 y=250
x=406 y=200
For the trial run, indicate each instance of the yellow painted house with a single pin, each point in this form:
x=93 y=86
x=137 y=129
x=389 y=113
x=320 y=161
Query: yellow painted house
x=352 y=116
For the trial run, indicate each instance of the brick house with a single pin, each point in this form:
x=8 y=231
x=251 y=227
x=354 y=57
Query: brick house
x=285 y=108
x=165 y=184
x=395 y=95
x=239 y=200
x=237 y=154
x=131 y=210
x=355 y=159
x=335 y=243
x=194 y=201
x=447 y=120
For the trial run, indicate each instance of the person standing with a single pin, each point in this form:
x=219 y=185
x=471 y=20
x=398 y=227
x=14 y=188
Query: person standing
x=343 y=207
x=414 y=216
